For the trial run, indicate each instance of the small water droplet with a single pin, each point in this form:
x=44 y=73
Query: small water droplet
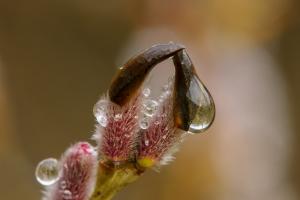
x=102 y=119
x=47 y=171
x=100 y=106
x=63 y=185
x=164 y=115
x=118 y=117
x=99 y=110
x=144 y=123
x=146 y=92
x=147 y=142
x=164 y=137
x=150 y=107
x=165 y=87
x=164 y=95
x=67 y=194
x=161 y=99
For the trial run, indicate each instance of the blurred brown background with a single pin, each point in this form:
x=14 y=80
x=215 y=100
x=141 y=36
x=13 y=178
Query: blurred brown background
x=57 y=57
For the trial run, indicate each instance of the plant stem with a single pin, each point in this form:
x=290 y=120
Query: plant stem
x=110 y=180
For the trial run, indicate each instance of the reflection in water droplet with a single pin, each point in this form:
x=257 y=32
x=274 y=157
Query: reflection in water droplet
x=204 y=111
x=146 y=92
x=47 y=171
x=147 y=142
x=149 y=107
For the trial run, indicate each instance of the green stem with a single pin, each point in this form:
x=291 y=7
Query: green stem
x=110 y=180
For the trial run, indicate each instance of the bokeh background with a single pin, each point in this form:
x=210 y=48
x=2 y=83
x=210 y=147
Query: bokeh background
x=58 y=57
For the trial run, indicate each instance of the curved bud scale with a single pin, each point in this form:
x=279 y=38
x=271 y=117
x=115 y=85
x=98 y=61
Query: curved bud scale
x=131 y=76
x=189 y=114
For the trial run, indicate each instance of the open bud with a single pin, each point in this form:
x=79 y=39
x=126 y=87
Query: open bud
x=116 y=129
x=77 y=171
x=133 y=131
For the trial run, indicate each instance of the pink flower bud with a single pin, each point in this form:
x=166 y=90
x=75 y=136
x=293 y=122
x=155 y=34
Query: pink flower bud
x=116 y=137
x=77 y=174
x=157 y=142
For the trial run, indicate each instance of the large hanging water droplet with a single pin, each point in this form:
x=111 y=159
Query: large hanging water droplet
x=150 y=107
x=194 y=107
x=204 y=108
x=47 y=171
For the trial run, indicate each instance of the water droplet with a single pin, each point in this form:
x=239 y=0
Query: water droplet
x=165 y=87
x=164 y=96
x=161 y=99
x=118 y=117
x=102 y=119
x=100 y=112
x=164 y=137
x=150 y=107
x=194 y=108
x=67 y=194
x=144 y=122
x=100 y=106
x=147 y=142
x=63 y=185
x=203 y=106
x=47 y=171
x=146 y=92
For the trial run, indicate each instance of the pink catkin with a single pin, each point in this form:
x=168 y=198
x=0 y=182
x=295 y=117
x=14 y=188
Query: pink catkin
x=160 y=136
x=77 y=174
x=117 y=140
